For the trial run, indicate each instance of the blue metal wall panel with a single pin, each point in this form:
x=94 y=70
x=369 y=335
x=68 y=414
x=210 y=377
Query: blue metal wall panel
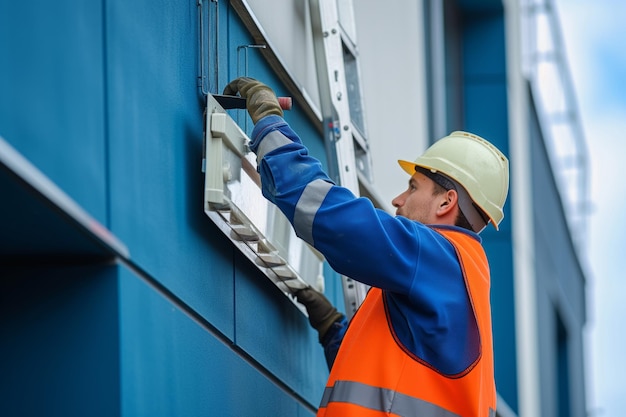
x=484 y=45
x=155 y=134
x=499 y=251
x=171 y=364
x=556 y=254
x=486 y=114
x=119 y=127
x=157 y=186
x=486 y=111
x=560 y=292
x=484 y=79
x=59 y=353
x=273 y=331
x=52 y=96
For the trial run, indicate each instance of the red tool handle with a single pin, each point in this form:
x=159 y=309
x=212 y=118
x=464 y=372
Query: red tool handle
x=285 y=103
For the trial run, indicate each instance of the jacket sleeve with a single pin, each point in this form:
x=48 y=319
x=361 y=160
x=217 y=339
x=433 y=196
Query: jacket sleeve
x=417 y=267
x=358 y=240
x=332 y=340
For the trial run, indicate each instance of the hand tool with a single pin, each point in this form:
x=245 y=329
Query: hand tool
x=236 y=102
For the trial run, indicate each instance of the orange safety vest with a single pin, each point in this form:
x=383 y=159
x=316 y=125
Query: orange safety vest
x=373 y=375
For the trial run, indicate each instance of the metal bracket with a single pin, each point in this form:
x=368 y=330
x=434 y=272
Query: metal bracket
x=233 y=201
x=203 y=81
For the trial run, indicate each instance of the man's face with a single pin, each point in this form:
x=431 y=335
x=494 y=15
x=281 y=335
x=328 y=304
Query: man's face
x=419 y=201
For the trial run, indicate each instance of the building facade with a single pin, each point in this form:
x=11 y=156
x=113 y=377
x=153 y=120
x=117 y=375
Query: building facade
x=129 y=255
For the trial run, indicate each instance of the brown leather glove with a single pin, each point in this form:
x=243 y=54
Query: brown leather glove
x=322 y=314
x=260 y=99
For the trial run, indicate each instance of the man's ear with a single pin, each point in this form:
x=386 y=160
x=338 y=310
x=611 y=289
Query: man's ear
x=449 y=200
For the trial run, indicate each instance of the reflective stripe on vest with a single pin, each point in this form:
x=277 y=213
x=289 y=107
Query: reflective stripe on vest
x=381 y=399
x=370 y=356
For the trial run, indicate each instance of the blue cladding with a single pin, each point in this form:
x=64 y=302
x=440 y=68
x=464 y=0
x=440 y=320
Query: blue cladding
x=486 y=114
x=560 y=290
x=52 y=93
x=484 y=47
x=499 y=249
x=60 y=341
x=482 y=6
x=103 y=98
x=269 y=328
x=155 y=138
x=172 y=365
x=34 y=226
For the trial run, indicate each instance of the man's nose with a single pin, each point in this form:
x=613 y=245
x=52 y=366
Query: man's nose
x=398 y=201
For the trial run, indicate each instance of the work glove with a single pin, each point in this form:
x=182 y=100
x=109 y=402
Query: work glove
x=322 y=314
x=260 y=99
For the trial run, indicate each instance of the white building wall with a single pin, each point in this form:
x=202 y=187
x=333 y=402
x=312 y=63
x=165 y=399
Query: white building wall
x=287 y=26
x=390 y=44
x=391 y=47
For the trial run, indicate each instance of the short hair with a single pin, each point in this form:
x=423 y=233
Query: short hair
x=443 y=185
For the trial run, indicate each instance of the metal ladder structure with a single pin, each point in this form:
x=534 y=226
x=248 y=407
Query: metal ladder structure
x=338 y=73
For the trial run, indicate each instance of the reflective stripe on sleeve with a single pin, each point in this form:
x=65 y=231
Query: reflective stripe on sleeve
x=308 y=205
x=271 y=141
x=381 y=399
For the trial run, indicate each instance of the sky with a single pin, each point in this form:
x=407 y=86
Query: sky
x=595 y=35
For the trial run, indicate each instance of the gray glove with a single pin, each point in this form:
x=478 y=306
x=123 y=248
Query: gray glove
x=260 y=99
x=322 y=314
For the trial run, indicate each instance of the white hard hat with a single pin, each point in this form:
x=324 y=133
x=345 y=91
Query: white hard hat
x=475 y=164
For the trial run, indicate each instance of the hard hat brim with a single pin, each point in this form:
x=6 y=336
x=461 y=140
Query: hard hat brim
x=409 y=168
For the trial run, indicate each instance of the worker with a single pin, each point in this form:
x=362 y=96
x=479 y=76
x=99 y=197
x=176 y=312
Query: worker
x=421 y=342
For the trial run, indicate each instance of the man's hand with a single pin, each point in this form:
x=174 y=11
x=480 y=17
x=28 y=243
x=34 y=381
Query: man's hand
x=260 y=99
x=322 y=314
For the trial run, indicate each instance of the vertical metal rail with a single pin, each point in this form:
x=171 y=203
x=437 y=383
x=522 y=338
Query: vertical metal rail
x=203 y=58
x=329 y=50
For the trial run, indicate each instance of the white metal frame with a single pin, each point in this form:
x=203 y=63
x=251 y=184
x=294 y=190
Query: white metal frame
x=233 y=200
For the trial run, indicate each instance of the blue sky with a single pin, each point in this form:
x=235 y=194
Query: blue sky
x=595 y=36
